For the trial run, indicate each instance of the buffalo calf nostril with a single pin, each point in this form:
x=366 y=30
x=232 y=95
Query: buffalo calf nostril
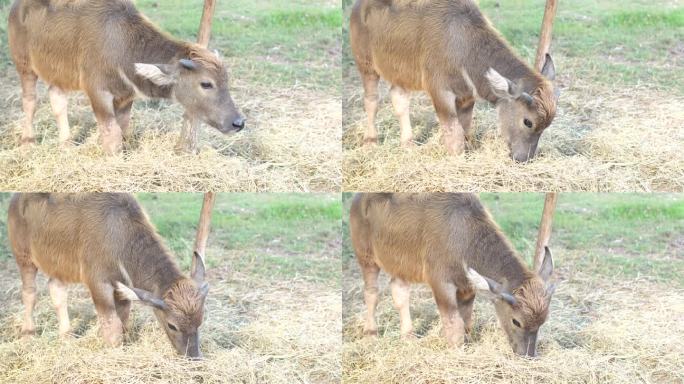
x=239 y=123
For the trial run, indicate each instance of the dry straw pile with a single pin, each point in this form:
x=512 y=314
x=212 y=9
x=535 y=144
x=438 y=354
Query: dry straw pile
x=255 y=331
x=598 y=331
x=291 y=143
x=603 y=139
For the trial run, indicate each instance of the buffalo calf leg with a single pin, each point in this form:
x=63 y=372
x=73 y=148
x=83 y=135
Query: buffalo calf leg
x=58 y=102
x=123 y=310
x=110 y=131
x=58 y=293
x=370 y=296
x=452 y=131
x=123 y=118
x=401 y=291
x=464 y=109
x=452 y=135
x=465 y=299
x=453 y=326
x=28 y=296
x=28 y=100
x=370 y=102
x=401 y=100
x=445 y=296
x=111 y=136
x=110 y=324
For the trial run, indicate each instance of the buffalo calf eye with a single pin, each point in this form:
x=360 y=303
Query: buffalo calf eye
x=207 y=85
x=516 y=323
x=527 y=123
x=172 y=327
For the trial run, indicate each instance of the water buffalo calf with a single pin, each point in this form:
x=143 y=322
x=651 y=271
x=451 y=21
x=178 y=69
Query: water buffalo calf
x=114 y=54
x=106 y=242
x=448 y=49
x=450 y=242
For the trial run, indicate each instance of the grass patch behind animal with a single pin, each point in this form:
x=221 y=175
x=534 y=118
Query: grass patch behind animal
x=273 y=310
x=618 y=125
x=614 y=318
x=284 y=62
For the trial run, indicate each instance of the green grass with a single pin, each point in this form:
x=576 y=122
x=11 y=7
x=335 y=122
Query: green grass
x=612 y=42
x=277 y=42
x=277 y=236
x=620 y=43
x=612 y=235
x=274 y=43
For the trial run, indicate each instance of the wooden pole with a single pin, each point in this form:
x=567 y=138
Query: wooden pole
x=188 y=140
x=204 y=225
x=545 y=228
x=205 y=24
x=545 y=35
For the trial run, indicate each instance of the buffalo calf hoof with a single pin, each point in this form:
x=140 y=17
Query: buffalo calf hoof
x=370 y=141
x=408 y=144
x=27 y=141
x=456 y=150
x=66 y=336
x=111 y=149
x=408 y=336
x=455 y=144
x=370 y=332
x=470 y=143
x=65 y=333
x=25 y=333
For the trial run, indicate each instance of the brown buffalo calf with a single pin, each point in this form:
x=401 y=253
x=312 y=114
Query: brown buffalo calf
x=106 y=242
x=448 y=49
x=449 y=242
x=114 y=54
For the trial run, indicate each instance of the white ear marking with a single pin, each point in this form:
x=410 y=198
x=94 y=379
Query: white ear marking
x=125 y=292
x=477 y=280
x=153 y=73
x=498 y=82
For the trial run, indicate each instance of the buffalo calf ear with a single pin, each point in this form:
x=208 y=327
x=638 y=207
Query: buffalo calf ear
x=204 y=289
x=546 y=268
x=550 y=289
x=198 y=273
x=486 y=284
x=134 y=294
x=502 y=87
x=549 y=69
x=159 y=74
